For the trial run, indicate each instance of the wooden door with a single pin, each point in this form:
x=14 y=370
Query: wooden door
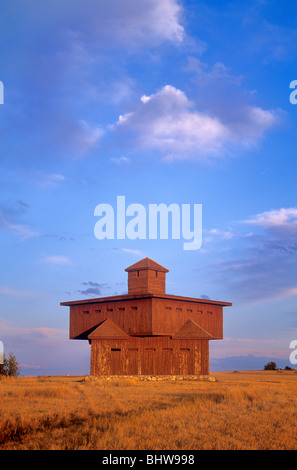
x=148 y=362
x=166 y=365
x=184 y=361
x=115 y=366
x=132 y=361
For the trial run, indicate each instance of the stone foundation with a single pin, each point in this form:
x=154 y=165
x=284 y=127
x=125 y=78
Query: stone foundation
x=146 y=378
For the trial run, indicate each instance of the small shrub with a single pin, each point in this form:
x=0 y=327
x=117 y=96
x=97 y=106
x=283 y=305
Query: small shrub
x=10 y=366
x=270 y=366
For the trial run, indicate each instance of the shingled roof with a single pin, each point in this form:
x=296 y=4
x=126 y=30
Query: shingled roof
x=146 y=263
x=191 y=330
x=108 y=329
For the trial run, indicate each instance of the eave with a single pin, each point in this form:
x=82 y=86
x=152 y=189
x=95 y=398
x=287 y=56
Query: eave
x=126 y=297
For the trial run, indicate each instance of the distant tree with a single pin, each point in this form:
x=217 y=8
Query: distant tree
x=270 y=366
x=10 y=366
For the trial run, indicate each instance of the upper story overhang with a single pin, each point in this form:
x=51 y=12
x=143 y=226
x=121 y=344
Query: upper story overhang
x=124 y=297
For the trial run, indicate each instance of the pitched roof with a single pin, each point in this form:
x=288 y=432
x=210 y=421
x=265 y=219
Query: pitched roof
x=147 y=263
x=190 y=330
x=108 y=329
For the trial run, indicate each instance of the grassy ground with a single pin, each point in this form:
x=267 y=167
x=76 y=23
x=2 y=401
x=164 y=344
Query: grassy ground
x=240 y=410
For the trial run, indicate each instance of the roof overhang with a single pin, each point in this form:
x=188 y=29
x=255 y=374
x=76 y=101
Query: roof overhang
x=124 y=297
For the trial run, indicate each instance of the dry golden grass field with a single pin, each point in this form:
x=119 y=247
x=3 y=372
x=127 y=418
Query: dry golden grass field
x=239 y=411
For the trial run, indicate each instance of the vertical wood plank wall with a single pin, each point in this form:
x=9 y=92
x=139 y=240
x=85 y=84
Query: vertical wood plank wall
x=133 y=316
x=144 y=281
x=149 y=356
x=149 y=316
x=147 y=331
x=169 y=315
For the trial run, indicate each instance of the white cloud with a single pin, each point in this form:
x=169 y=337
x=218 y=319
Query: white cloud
x=287 y=293
x=19 y=230
x=148 y=22
x=206 y=74
x=80 y=64
x=57 y=260
x=168 y=122
x=252 y=123
x=76 y=137
x=47 y=179
x=25 y=336
x=121 y=160
x=89 y=136
x=17 y=293
x=11 y=329
x=283 y=218
x=259 y=266
x=124 y=22
x=133 y=252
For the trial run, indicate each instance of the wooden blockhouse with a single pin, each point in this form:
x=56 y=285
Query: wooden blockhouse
x=147 y=332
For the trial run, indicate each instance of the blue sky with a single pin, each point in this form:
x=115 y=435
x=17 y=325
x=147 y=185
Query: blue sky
x=162 y=101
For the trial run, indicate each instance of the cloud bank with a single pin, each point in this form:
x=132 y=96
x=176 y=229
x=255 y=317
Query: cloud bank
x=169 y=122
x=261 y=265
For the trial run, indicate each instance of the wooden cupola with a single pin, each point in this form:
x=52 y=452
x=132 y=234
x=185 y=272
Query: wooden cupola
x=146 y=277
